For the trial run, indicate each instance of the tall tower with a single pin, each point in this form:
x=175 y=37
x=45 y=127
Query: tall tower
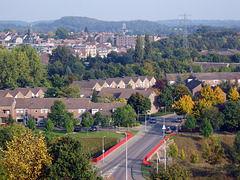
x=185 y=32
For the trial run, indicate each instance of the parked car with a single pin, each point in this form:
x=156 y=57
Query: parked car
x=77 y=129
x=168 y=130
x=173 y=128
x=178 y=120
x=93 y=128
x=152 y=120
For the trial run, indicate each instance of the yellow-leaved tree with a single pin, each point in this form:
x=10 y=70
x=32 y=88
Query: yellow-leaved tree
x=26 y=156
x=206 y=93
x=184 y=105
x=218 y=97
x=233 y=94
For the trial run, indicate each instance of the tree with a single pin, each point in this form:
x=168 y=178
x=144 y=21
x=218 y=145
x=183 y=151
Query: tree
x=180 y=91
x=94 y=96
x=70 y=161
x=235 y=150
x=61 y=33
x=138 y=53
x=87 y=120
x=233 y=94
x=107 y=98
x=147 y=47
x=139 y=103
x=205 y=150
x=191 y=122
x=31 y=124
x=178 y=81
x=98 y=118
x=26 y=156
x=173 y=150
x=166 y=98
x=218 y=97
x=58 y=113
x=124 y=115
x=184 y=105
x=206 y=130
x=231 y=116
x=215 y=151
x=182 y=155
x=194 y=158
x=49 y=126
x=206 y=93
x=68 y=123
x=214 y=115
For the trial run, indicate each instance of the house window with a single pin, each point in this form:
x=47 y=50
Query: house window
x=44 y=111
x=6 y=111
x=94 y=111
x=4 y=120
x=19 y=119
x=81 y=110
x=41 y=121
x=215 y=81
x=36 y=111
x=20 y=111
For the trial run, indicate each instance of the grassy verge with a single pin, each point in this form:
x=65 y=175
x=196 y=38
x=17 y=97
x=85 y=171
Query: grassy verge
x=193 y=143
x=145 y=171
x=161 y=114
x=92 y=141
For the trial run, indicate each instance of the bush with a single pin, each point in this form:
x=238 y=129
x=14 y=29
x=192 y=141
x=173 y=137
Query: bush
x=194 y=158
x=137 y=124
x=31 y=124
x=205 y=150
x=182 y=155
x=173 y=150
x=49 y=126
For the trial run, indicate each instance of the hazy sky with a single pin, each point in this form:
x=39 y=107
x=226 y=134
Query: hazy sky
x=116 y=10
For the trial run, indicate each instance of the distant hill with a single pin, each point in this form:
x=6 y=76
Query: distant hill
x=73 y=23
x=79 y=23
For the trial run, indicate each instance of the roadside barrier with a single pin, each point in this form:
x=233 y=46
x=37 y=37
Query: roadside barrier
x=129 y=136
x=145 y=160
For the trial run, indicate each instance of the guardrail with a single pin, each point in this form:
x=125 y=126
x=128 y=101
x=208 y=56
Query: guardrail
x=113 y=148
x=145 y=160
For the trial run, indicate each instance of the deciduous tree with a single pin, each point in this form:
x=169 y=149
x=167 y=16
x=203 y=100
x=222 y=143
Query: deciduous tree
x=184 y=105
x=233 y=94
x=206 y=130
x=26 y=156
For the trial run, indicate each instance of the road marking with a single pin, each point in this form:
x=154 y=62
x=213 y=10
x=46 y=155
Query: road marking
x=110 y=172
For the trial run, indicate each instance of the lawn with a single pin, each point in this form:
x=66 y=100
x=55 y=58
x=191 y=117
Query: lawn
x=193 y=144
x=92 y=141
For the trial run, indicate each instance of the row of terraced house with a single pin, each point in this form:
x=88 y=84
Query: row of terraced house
x=29 y=102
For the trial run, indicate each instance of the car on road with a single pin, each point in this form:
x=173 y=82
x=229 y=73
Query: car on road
x=93 y=128
x=77 y=129
x=178 y=120
x=173 y=128
x=168 y=130
x=152 y=120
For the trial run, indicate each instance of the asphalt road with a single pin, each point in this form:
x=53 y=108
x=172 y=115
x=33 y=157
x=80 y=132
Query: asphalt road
x=138 y=147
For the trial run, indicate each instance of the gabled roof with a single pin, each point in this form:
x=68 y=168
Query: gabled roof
x=193 y=84
x=46 y=103
x=85 y=84
x=6 y=101
x=123 y=93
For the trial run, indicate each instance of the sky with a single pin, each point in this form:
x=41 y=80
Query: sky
x=120 y=10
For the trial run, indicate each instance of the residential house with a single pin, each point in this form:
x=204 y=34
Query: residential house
x=7 y=106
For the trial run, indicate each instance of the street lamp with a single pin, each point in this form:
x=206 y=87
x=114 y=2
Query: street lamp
x=103 y=147
x=164 y=128
x=126 y=151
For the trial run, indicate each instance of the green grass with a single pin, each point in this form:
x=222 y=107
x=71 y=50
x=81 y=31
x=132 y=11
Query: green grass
x=161 y=114
x=145 y=171
x=92 y=141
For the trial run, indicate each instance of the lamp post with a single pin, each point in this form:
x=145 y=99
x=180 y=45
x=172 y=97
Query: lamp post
x=126 y=155
x=126 y=152
x=103 y=147
x=145 y=120
x=164 y=128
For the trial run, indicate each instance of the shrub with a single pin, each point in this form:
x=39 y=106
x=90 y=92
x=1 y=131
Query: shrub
x=194 y=158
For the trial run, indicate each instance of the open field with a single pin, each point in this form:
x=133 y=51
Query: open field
x=193 y=143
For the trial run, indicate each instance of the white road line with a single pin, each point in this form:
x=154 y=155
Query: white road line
x=110 y=172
